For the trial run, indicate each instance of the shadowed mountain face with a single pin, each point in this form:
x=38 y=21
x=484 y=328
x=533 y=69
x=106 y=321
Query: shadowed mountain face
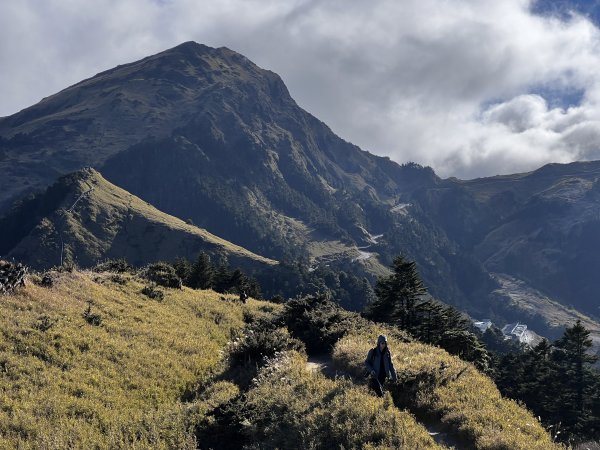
x=542 y=227
x=204 y=134
x=196 y=130
x=550 y=234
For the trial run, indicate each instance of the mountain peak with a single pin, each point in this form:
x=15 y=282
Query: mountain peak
x=192 y=51
x=115 y=109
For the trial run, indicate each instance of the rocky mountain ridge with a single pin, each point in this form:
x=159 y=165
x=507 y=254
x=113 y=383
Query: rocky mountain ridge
x=205 y=135
x=83 y=219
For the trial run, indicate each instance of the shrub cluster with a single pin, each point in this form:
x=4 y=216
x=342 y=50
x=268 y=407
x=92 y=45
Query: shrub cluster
x=113 y=265
x=153 y=292
x=90 y=317
x=320 y=323
x=203 y=274
x=118 y=279
x=44 y=322
x=47 y=280
x=260 y=341
x=162 y=274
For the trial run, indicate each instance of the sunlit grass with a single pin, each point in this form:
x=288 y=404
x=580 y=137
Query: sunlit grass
x=130 y=378
x=66 y=383
x=439 y=384
x=292 y=407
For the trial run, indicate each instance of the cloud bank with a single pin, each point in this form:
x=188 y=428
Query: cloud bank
x=469 y=87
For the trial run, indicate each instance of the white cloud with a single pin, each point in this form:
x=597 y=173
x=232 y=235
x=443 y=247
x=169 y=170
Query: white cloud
x=448 y=83
x=519 y=114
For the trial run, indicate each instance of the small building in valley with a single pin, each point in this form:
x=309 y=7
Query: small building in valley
x=516 y=331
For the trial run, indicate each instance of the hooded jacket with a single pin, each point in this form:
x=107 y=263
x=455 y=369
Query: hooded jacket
x=373 y=362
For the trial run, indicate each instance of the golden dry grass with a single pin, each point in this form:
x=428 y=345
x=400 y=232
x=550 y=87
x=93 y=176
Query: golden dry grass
x=453 y=390
x=109 y=222
x=116 y=385
x=292 y=407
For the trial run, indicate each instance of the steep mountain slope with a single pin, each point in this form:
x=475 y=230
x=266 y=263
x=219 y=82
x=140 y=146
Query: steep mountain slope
x=541 y=227
x=233 y=152
x=83 y=218
x=96 y=118
x=227 y=103
x=550 y=235
x=204 y=134
x=154 y=374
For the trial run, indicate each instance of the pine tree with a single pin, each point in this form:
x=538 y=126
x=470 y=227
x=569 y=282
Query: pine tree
x=400 y=301
x=183 y=269
x=429 y=321
x=239 y=282
x=202 y=273
x=367 y=292
x=466 y=346
x=397 y=295
x=557 y=383
x=221 y=279
x=572 y=355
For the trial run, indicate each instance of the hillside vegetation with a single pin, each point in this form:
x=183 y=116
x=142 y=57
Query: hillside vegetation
x=95 y=220
x=433 y=383
x=206 y=135
x=93 y=362
x=293 y=405
x=112 y=375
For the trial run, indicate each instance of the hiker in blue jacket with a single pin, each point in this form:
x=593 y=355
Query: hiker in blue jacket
x=380 y=366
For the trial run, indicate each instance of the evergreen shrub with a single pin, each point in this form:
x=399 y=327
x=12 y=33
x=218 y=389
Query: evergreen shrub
x=90 y=317
x=152 y=292
x=320 y=323
x=162 y=274
x=433 y=383
x=259 y=341
x=113 y=265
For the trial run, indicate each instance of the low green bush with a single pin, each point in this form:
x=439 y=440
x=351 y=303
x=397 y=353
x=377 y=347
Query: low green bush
x=91 y=317
x=113 y=265
x=153 y=292
x=320 y=323
x=261 y=339
x=162 y=274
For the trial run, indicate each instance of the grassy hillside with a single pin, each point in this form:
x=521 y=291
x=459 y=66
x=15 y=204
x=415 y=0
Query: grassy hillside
x=68 y=382
x=96 y=220
x=290 y=404
x=434 y=384
x=92 y=362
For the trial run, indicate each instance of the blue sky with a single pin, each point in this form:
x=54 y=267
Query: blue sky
x=469 y=87
x=563 y=8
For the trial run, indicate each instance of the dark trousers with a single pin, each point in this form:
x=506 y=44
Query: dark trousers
x=377 y=386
